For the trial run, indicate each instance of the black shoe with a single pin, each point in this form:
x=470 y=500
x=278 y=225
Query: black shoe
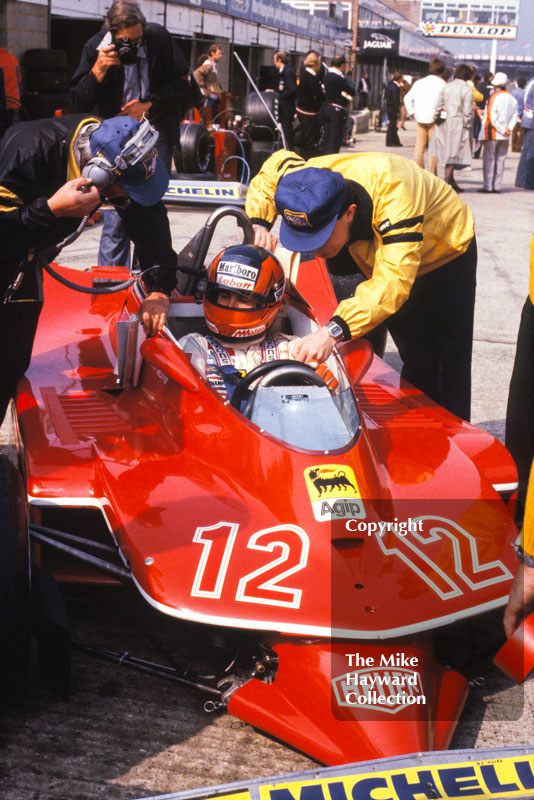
x=495 y=191
x=484 y=191
x=454 y=185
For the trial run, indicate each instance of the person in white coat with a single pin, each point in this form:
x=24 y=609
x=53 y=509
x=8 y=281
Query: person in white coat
x=421 y=102
x=500 y=116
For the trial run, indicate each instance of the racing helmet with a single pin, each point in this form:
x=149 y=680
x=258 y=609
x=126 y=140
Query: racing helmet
x=248 y=274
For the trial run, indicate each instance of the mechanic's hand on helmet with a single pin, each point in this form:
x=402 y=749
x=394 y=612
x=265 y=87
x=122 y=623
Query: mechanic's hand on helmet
x=75 y=198
x=107 y=57
x=264 y=238
x=316 y=346
x=153 y=312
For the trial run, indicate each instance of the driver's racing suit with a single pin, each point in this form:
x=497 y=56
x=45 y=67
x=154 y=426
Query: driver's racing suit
x=223 y=364
x=36 y=159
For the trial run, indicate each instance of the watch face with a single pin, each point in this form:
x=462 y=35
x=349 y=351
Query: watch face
x=335 y=330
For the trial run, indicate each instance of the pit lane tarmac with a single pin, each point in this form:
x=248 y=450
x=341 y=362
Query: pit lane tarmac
x=123 y=734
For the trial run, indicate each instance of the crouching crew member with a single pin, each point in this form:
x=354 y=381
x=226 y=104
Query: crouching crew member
x=410 y=235
x=53 y=172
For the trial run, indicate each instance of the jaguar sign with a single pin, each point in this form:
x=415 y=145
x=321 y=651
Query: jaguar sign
x=379 y=40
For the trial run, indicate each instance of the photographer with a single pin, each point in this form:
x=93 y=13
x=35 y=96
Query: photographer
x=132 y=67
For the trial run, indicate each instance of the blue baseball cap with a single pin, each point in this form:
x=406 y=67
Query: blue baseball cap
x=145 y=182
x=309 y=201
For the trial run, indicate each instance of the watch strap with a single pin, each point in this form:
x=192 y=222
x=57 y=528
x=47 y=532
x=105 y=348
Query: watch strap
x=339 y=329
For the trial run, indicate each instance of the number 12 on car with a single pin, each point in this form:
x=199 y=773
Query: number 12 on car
x=221 y=549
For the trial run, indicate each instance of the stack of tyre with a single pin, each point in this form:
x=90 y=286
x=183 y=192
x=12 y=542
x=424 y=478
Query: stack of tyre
x=46 y=83
x=262 y=130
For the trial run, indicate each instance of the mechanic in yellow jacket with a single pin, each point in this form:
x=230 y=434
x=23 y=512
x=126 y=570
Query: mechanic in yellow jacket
x=521 y=600
x=411 y=237
x=519 y=437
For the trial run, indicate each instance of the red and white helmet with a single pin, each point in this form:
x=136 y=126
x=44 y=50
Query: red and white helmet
x=255 y=276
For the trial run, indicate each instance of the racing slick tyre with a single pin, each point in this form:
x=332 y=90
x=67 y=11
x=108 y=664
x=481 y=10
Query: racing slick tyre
x=194 y=153
x=262 y=127
x=44 y=60
x=47 y=82
x=15 y=595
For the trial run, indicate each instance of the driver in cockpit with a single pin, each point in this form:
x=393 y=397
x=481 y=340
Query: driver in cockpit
x=242 y=301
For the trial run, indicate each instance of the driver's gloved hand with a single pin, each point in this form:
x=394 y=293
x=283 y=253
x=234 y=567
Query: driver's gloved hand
x=328 y=377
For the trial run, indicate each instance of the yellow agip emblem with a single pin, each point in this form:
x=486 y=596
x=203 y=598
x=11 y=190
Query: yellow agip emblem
x=334 y=492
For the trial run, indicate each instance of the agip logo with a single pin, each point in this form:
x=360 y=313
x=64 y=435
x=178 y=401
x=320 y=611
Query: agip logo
x=334 y=492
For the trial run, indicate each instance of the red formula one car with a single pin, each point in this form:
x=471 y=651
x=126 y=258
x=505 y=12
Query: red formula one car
x=337 y=533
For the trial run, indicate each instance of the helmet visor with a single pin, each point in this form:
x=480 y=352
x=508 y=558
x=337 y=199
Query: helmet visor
x=226 y=296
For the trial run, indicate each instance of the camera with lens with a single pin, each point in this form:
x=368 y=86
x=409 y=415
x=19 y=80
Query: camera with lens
x=126 y=49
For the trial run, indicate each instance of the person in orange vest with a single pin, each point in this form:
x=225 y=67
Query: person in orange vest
x=500 y=116
x=9 y=89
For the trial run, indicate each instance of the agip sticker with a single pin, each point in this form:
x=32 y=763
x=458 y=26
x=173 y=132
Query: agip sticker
x=334 y=492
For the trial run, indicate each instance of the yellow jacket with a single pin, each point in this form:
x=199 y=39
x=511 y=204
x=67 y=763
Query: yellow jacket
x=527 y=534
x=531 y=274
x=418 y=224
x=478 y=97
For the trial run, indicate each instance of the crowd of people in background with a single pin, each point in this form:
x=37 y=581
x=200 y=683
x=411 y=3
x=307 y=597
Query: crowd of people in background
x=314 y=102
x=459 y=117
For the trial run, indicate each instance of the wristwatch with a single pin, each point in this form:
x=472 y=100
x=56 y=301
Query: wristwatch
x=335 y=331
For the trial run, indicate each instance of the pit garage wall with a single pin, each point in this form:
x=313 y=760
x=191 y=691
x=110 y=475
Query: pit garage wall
x=23 y=25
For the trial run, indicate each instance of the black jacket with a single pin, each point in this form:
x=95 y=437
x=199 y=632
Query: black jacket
x=34 y=158
x=393 y=97
x=310 y=94
x=334 y=86
x=169 y=94
x=287 y=85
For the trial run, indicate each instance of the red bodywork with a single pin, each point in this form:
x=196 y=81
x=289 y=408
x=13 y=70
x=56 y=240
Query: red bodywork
x=215 y=519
